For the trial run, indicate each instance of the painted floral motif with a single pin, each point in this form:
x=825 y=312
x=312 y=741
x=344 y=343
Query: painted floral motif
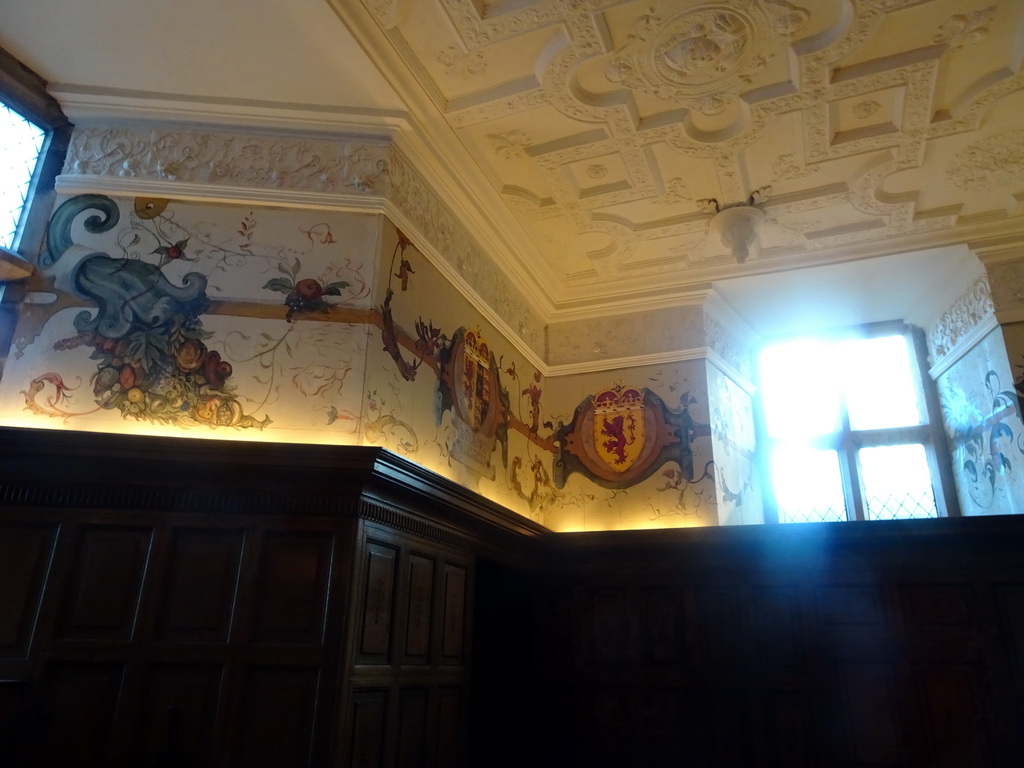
x=150 y=349
x=303 y=295
x=989 y=446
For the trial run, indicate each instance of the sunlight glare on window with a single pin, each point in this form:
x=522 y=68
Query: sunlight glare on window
x=808 y=485
x=800 y=393
x=20 y=144
x=897 y=483
x=878 y=383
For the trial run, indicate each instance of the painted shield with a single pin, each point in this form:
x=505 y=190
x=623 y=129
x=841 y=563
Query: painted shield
x=619 y=427
x=474 y=389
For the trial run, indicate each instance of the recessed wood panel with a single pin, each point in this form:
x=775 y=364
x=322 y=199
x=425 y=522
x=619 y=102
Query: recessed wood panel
x=377 y=600
x=418 y=617
x=412 y=728
x=453 y=630
x=276 y=712
x=778 y=628
x=660 y=631
x=719 y=632
x=934 y=606
x=955 y=715
x=291 y=599
x=1010 y=601
x=179 y=711
x=25 y=553
x=202 y=576
x=369 y=719
x=607 y=627
x=729 y=733
x=872 y=714
x=104 y=589
x=845 y=605
x=789 y=730
x=79 y=708
x=449 y=727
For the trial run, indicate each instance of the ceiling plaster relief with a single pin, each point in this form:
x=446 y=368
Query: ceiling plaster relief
x=688 y=94
x=702 y=61
x=462 y=65
x=992 y=162
x=962 y=30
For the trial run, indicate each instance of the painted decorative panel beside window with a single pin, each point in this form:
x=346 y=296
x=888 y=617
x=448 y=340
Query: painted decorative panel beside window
x=848 y=429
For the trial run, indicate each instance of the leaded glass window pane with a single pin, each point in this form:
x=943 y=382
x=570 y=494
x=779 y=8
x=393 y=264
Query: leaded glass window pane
x=20 y=144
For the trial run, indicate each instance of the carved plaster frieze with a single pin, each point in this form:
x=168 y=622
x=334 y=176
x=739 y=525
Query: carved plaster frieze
x=304 y=165
x=992 y=162
x=966 y=313
x=613 y=337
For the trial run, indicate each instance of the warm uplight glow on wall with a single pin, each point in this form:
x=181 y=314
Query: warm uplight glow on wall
x=199 y=433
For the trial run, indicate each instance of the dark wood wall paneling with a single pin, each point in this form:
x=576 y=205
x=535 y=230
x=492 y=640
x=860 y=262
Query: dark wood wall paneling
x=896 y=644
x=410 y=672
x=312 y=606
x=194 y=603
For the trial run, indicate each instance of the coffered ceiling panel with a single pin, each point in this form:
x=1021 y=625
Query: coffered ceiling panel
x=614 y=131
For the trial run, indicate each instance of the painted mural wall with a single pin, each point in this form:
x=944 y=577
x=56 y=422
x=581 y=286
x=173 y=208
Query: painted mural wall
x=447 y=390
x=151 y=316
x=980 y=396
x=161 y=317
x=634 y=449
x=733 y=441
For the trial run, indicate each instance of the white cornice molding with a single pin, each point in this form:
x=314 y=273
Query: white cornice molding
x=966 y=343
x=436 y=149
x=86 y=106
x=71 y=184
x=616 y=363
x=660 y=358
x=999 y=250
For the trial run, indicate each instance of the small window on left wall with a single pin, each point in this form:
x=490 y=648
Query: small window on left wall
x=21 y=148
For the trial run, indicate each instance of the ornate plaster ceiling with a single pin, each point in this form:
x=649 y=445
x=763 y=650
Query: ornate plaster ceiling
x=580 y=141
x=612 y=130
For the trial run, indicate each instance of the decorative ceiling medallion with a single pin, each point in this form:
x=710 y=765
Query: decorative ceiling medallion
x=704 y=51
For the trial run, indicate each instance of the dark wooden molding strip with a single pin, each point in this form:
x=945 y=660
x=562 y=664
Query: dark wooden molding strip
x=407 y=523
x=25 y=91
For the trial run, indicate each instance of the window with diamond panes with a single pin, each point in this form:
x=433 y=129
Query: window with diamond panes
x=21 y=142
x=848 y=431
